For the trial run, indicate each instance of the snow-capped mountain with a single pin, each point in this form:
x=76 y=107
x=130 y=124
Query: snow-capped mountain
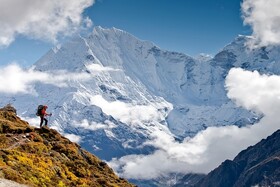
x=194 y=88
x=120 y=89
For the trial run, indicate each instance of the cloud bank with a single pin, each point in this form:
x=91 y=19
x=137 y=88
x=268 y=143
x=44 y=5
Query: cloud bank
x=95 y=68
x=73 y=137
x=264 y=18
x=14 y=79
x=85 y=124
x=129 y=113
x=209 y=148
x=41 y=19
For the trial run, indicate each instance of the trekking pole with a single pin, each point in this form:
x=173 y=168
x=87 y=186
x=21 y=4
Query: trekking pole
x=50 y=119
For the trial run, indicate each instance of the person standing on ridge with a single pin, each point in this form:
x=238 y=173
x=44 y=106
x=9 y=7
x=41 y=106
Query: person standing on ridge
x=42 y=115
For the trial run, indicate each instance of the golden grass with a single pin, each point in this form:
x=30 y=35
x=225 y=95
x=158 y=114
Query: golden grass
x=42 y=157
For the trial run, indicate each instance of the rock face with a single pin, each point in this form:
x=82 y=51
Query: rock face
x=189 y=180
x=258 y=165
x=42 y=157
x=8 y=183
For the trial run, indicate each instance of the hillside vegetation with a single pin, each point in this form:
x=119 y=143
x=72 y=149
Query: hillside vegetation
x=42 y=157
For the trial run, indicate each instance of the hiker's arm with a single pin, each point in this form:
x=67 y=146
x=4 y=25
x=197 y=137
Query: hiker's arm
x=45 y=113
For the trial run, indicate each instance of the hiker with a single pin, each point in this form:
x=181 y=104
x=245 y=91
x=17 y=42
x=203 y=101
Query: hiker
x=42 y=113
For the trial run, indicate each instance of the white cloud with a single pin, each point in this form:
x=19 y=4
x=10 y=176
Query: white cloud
x=41 y=19
x=147 y=166
x=209 y=148
x=130 y=113
x=35 y=122
x=254 y=91
x=264 y=18
x=73 y=137
x=14 y=79
x=85 y=124
x=95 y=68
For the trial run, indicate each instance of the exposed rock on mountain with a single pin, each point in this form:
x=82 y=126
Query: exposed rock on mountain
x=258 y=165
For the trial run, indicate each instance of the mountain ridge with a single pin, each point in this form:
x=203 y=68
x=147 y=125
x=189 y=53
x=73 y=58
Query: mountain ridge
x=170 y=75
x=257 y=165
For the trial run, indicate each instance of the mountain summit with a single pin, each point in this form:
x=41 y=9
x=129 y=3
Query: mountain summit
x=139 y=71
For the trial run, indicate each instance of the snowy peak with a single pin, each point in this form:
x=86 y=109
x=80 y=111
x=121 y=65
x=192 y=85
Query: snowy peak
x=140 y=72
x=112 y=47
x=72 y=56
x=238 y=54
x=202 y=57
x=108 y=44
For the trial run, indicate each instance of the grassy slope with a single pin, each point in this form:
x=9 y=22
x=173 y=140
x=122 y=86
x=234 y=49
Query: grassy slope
x=42 y=157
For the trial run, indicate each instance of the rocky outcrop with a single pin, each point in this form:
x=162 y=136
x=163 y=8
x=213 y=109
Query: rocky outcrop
x=8 y=183
x=9 y=108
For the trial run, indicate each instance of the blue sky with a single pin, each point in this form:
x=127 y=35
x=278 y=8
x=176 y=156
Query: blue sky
x=188 y=26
